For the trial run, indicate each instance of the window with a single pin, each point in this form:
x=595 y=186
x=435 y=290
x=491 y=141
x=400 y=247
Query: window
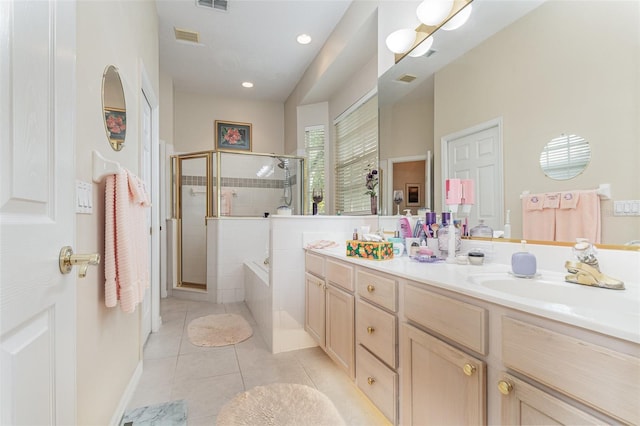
x=314 y=147
x=356 y=149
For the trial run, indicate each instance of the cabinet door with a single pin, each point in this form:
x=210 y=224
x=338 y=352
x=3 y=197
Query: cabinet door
x=314 y=318
x=340 y=341
x=523 y=404
x=441 y=385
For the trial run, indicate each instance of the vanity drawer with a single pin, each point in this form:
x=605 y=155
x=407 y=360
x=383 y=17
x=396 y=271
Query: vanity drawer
x=378 y=382
x=600 y=377
x=461 y=322
x=378 y=289
x=340 y=274
x=376 y=330
x=314 y=264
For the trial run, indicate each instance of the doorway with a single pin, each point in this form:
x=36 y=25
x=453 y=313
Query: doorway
x=476 y=153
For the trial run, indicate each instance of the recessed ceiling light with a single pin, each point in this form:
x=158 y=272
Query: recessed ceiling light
x=304 y=39
x=247 y=84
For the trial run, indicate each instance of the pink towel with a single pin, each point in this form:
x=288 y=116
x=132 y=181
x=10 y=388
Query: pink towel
x=583 y=221
x=537 y=223
x=126 y=258
x=569 y=200
x=551 y=201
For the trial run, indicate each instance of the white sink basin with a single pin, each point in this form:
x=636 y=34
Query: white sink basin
x=550 y=288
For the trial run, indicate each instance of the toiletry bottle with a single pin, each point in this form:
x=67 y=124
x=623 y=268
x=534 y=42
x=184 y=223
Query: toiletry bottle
x=355 y=234
x=507 y=225
x=405 y=227
x=523 y=263
x=415 y=247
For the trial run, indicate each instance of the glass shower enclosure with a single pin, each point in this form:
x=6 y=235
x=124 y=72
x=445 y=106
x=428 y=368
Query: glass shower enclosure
x=215 y=184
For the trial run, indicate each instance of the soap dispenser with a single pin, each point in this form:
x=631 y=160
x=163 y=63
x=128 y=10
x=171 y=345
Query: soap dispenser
x=523 y=263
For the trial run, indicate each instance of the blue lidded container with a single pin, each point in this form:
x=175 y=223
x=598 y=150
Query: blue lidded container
x=523 y=263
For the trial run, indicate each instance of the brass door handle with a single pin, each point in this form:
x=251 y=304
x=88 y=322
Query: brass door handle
x=469 y=369
x=370 y=330
x=68 y=260
x=371 y=380
x=370 y=288
x=505 y=387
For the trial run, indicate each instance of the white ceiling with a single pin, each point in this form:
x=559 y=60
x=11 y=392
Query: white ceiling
x=254 y=40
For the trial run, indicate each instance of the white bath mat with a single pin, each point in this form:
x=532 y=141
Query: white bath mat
x=280 y=404
x=219 y=330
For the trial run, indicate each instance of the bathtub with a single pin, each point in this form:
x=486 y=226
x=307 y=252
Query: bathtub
x=257 y=294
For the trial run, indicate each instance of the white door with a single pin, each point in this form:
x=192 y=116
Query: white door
x=145 y=109
x=476 y=154
x=37 y=194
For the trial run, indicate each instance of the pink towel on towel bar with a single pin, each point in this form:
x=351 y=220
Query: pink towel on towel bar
x=126 y=241
x=569 y=200
x=551 y=200
x=583 y=221
x=537 y=223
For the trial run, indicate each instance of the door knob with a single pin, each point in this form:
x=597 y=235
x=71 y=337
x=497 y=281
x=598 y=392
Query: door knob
x=68 y=260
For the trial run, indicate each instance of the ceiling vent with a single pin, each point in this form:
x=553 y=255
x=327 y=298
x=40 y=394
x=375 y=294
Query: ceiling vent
x=187 y=35
x=214 y=4
x=406 y=78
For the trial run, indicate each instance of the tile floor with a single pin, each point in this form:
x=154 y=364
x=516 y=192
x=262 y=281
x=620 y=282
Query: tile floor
x=209 y=377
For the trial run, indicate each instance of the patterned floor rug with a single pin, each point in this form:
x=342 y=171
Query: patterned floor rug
x=219 y=330
x=172 y=413
x=280 y=404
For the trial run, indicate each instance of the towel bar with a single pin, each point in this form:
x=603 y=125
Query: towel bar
x=103 y=167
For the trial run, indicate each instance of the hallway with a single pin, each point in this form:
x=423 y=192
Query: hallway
x=209 y=377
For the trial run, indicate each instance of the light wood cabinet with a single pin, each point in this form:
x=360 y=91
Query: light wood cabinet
x=315 y=308
x=330 y=310
x=339 y=338
x=441 y=385
x=523 y=404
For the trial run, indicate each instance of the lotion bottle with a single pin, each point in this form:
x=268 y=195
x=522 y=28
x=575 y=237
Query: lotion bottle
x=507 y=225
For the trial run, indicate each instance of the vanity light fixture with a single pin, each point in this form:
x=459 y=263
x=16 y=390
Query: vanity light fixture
x=401 y=41
x=433 y=12
x=247 y=84
x=304 y=39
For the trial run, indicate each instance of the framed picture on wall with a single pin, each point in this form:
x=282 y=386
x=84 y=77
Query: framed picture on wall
x=414 y=194
x=232 y=136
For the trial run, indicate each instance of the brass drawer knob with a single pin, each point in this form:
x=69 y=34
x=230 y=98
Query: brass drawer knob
x=370 y=330
x=505 y=387
x=371 y=288
x=371 y=380
x=469 y=369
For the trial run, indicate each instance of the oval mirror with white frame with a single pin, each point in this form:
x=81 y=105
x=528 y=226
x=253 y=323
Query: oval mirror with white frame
x=114 y=108
x=565 y=157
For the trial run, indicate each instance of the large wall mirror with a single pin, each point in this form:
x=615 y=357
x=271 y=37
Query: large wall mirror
x=114 y=108
x=532 y=65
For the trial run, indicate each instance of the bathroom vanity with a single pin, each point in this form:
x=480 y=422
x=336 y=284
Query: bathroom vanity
x=452 y=344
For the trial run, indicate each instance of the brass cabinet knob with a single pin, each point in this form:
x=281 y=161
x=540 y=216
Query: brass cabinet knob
x=370 y=330
x=469 y=369
x=505 y=387
x=371 y=380
x=371 y=288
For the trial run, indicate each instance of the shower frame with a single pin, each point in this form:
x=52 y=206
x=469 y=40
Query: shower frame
x=213 y=157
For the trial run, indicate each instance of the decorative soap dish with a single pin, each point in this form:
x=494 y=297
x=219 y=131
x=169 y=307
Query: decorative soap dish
x=422 y=258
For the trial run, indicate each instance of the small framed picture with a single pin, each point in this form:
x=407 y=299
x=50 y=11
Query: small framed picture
x=232 y=136
x=116 y=123
x=414 y=194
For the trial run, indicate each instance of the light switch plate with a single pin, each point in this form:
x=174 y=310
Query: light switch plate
x=84 y=197
x=626 y=208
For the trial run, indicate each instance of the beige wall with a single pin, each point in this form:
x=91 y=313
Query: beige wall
x=122 y=33
x=166 y=108
x=551 y=73
x=195 y=115
x=406 y=128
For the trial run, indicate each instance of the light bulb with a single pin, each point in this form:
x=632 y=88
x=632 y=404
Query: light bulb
x=433 y=12
x=422 y=48
x=401 y=41
x=458 y=20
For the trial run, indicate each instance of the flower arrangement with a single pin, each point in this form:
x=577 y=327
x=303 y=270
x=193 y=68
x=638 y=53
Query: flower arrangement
x=371 y=181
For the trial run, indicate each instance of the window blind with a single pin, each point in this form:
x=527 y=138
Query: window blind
x=565 y=157
x=314 y=148
x=356 y=149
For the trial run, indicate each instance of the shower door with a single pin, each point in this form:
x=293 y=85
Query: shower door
x=192 y=213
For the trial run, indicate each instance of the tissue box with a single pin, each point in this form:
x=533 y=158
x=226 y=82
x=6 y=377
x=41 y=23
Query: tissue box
x=370 y=250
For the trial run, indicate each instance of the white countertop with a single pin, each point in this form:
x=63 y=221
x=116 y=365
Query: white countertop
x=612 y=312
